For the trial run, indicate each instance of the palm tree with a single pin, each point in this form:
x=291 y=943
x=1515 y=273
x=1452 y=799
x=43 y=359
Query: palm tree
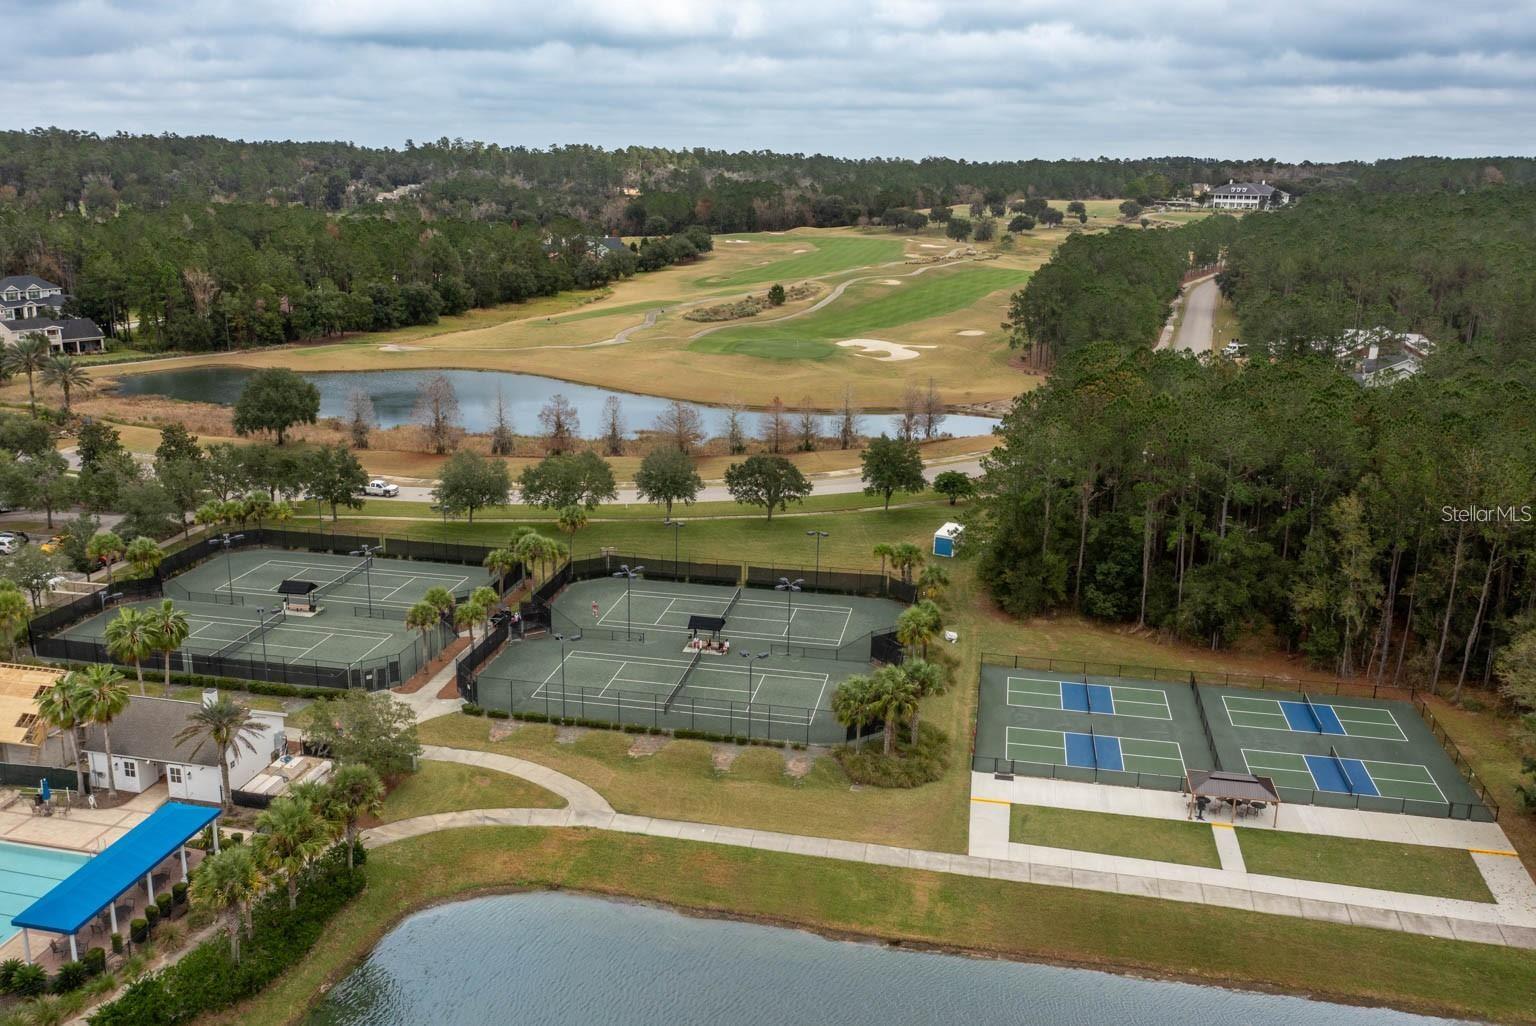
x=282 y=512
x=227 y=725
x=904 y=557
x=570 y=520
x=892 y=698
x=851 y=702
x=501 y=562
x=932 y=581
x=256 y=506
x=27 y=355
x=439 y=598
x=67 y=375
x=927 y=679
x=169 y=628
x=130 y=638
x=105 y=696
x=291 y=834
x=63 y=707
x=14 y=614
x=918 y=625
x=143 y=555
x=104 y=547
x=465 y=617
x=423 y=616
x=228 y=882
x=355 y=789
x=885 y=550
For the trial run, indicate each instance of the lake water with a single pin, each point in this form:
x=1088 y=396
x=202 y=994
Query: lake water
x=394 y=396
x=552 y=959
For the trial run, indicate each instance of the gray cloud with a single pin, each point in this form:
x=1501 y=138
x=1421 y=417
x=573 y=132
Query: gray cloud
x=982 y=79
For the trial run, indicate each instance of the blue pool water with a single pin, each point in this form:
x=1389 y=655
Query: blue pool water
x=26 y=874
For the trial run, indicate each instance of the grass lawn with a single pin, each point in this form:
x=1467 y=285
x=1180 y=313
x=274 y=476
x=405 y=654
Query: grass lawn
x=827 y=254
x=996 y=917
x=865 y=308
x=1137 y=837
x=1409 y=868
x=681 y=782
x=451 y=787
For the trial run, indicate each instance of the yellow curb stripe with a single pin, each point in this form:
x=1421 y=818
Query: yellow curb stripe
x=991 y=801
x=1494 y=851
x=1223 y=826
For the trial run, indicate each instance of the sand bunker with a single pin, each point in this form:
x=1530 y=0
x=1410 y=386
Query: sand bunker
x=738 y=242
x=932 y=245
x=889 y=281
x=971 y=332
x=802 y=251
x=395 y=348
x=882 y=350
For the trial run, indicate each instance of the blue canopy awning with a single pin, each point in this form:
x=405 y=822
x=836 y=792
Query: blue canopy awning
x=75 y=899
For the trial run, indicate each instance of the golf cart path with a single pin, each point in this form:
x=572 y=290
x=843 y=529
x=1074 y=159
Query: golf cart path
x=1506 y=924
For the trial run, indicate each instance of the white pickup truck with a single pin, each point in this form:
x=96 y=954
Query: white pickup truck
x=381 y=488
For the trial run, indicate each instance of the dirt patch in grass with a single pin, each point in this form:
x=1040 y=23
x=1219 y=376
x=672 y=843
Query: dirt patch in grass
x=722 y=757
x=570 y=735
x=647 y=744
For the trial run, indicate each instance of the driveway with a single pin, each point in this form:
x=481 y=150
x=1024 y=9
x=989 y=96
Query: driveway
x=1196 y=328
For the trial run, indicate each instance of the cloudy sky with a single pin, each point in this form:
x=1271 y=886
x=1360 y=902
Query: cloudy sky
x=983 y=79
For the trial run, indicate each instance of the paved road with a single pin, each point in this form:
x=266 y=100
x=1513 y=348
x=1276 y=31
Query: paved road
x=839 y=482
x=1196 y=328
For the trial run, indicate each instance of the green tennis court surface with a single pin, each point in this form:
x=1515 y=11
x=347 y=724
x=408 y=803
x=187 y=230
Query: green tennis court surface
x=1108 y=699
x=1320 y=717
x=250 y=577
x=1096 y=751
x=713 y=677
x=1408 y=781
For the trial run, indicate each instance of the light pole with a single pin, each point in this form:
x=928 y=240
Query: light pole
x=367 y=552
x=818 y=535
x=748 y=657
x=228 y=540
x=789 y=588
x=261 y=617
x=629 y=574
x=677 y=532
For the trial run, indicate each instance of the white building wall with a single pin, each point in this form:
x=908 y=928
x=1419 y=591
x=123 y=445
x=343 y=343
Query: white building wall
x=132 y=775
x=185 y=782
x=244 y=765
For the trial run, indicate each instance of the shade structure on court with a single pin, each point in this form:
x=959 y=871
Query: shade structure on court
x=714 y=624
x=1228 y=786
x=74 y=900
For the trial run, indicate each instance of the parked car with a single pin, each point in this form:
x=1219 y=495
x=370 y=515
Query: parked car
x=10 y=541
x=382 y=488
x=54 y=544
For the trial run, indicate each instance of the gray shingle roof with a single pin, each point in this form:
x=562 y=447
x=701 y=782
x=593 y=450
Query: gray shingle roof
x=1245 y=189
x=72 y=329
x=147 y=730
x=24 y=282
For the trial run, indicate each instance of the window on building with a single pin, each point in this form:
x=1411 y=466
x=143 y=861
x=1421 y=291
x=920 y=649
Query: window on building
x=130 y=770
x=174 y=772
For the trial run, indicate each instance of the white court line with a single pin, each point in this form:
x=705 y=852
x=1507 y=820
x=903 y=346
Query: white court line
x=615 y=677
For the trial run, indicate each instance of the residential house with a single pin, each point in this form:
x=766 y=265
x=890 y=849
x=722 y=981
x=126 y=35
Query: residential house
x=1379 y=356
x=145 y=751
x=1248 y=196
x=24 y=736
x=29 y=305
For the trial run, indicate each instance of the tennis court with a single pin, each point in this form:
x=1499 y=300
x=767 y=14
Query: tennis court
x=1308 y=717
x=1340 y=750
x=251 y=577
x=685 y=680
x=336 y=639
x=1106 y=699
x=1408 y=781
x=1093 y=750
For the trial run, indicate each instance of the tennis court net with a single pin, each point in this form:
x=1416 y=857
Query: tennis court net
x=682 y=681
x=344 y=578
x=1349 y=785
x=251 y=635
x=731 y=604
x=1093 y=748
x=1317 y=723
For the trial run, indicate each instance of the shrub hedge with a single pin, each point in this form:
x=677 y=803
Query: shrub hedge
x=207 y=978
x=912 y=765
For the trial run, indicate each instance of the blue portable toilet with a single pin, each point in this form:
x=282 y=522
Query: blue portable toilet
x=947 y=538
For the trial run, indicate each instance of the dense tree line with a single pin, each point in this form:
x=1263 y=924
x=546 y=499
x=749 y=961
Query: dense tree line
x=1110 y=286
x=1454 y=267
x=201 y=276
x=1214 y=501
x=79 y=172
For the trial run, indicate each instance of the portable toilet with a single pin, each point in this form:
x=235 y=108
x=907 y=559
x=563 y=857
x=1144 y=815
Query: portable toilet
x=946 y=538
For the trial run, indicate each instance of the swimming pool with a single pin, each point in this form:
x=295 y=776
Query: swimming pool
x=27 y=873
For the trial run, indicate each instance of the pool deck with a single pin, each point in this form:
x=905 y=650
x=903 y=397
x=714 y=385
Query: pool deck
x=83 y=829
